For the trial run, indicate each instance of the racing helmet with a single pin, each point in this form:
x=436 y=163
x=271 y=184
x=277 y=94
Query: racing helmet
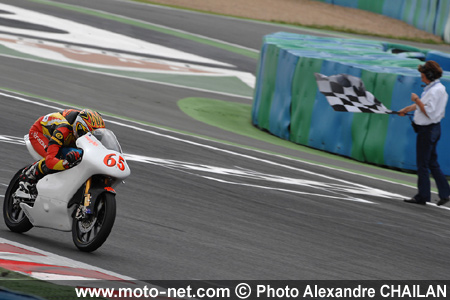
x=87 y=121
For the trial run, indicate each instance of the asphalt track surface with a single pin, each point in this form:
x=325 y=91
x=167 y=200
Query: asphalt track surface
x=196 y=208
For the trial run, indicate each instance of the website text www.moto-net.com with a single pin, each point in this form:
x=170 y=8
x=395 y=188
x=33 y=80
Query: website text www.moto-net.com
x=279 y=291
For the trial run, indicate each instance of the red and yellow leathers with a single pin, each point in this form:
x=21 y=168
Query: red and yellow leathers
x=48 y=134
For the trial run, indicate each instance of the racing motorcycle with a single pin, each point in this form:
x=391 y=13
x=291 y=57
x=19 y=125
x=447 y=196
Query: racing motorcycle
x=80 y=199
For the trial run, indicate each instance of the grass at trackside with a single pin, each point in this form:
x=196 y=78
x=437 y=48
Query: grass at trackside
x=22 y=284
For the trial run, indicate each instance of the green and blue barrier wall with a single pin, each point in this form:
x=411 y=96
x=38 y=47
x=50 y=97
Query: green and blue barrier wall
x=287 y=102
x=429 y=15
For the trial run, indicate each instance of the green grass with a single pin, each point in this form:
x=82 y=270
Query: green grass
x=23 y=284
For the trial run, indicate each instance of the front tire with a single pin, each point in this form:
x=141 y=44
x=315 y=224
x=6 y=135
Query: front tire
x=14 y=216
x=91 y=231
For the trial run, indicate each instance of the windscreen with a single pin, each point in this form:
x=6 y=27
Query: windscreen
x=108 y=139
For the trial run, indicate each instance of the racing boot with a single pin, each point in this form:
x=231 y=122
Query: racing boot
x=27 y=182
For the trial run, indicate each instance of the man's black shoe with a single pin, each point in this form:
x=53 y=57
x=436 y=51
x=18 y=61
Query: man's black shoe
x=415 y=201
x=442 y=201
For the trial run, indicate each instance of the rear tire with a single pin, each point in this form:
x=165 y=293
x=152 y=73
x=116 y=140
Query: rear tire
x=14 y=216
x=91 y=232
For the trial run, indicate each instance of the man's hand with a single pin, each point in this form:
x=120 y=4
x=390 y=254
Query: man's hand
x=72 y=158
x=402 y=112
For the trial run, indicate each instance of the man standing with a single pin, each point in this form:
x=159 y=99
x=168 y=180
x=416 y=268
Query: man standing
x=429 y=110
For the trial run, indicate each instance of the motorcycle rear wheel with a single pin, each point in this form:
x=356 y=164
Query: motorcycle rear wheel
x=14 y=216
x=90 y=232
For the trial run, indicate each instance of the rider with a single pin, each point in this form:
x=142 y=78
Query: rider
x=48 y=135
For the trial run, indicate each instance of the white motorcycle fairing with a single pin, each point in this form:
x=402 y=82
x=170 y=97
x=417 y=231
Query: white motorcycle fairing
x=30 y=148
x=50 y=208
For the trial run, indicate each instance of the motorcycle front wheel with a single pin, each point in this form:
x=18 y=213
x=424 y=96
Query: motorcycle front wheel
x=14 y=216
x=91 y=231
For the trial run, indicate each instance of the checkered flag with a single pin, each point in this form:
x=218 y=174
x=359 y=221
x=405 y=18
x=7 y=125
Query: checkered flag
x=347 y=93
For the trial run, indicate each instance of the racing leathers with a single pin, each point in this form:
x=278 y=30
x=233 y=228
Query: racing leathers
x=47 y=136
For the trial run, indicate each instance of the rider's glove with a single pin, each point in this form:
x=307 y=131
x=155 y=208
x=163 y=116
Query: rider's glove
x=72 y=158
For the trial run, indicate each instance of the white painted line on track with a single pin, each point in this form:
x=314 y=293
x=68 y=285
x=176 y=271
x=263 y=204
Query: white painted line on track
x=129 y=78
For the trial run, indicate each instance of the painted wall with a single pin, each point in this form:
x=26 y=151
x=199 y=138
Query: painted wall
x=288 y=104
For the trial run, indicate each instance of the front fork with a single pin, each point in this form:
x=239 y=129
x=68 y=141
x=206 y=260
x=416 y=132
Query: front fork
x=87 y=196
x=85 y=209
x=92 y=190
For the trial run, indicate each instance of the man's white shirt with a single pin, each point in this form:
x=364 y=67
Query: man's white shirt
x=434 y=98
